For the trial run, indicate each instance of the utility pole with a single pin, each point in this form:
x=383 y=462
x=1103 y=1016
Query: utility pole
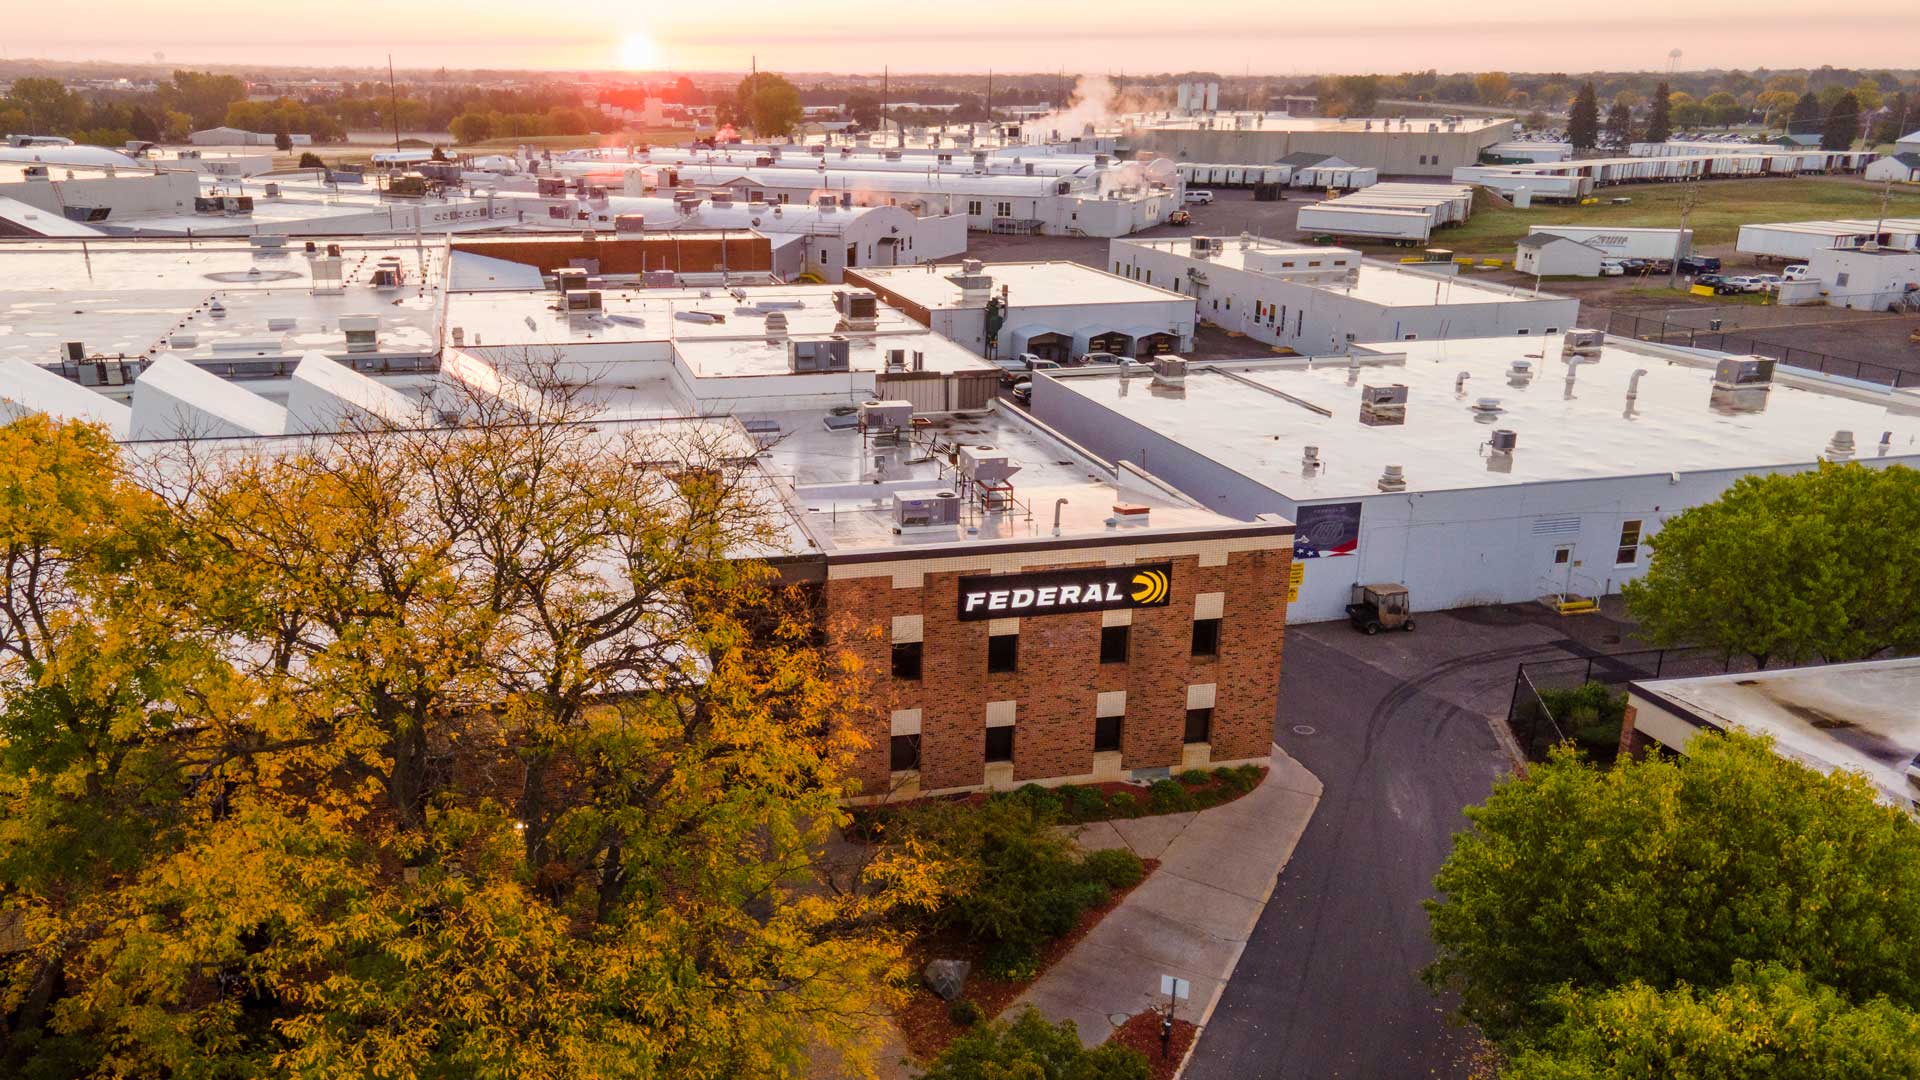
x=1686 y=209
x=393 y=99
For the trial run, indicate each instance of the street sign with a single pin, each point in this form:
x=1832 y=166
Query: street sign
x=1175 y=989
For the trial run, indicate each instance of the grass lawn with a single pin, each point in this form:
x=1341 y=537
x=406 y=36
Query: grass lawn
x=1721 y=208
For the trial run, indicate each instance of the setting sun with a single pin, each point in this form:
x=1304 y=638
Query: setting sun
x=637 y=53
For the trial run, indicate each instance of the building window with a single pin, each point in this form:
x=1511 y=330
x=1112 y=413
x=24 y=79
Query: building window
x=1106 y=734
x=1206 y=637
x=823 y=255
x=973 y=207
x=1113 y=644
x=1003 y=653
x=906 y=659
x=1000 y=743
x=904 y=752
x=1005 y=209
x=1523 y=332
x=1629 y=552
x=1199 y=725
x=1149 y=277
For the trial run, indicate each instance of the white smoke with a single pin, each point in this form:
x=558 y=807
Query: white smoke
x=1093 y=101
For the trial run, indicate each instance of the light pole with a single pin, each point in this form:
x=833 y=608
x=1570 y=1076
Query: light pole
x=1680 y=238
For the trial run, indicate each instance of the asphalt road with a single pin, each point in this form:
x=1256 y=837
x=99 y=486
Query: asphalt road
x=1395 y=727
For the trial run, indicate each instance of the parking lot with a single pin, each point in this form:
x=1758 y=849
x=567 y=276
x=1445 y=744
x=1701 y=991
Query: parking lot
x=1400 y=728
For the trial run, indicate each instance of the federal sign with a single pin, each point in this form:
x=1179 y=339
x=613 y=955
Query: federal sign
x=1063 y=592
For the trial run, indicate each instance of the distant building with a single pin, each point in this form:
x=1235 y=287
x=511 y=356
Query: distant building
x=1901 y=168
x=228 y=136
x=1393 y=147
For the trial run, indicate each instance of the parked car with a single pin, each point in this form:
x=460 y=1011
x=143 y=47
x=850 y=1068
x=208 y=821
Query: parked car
x=1099 y=358
x=1708 y=279
x=1634 y=266
x=1023 y=391
x=1611 y=268
x=1746 y=283
x=1797 y=272
x=1179 y=217
x=1699 y=264
x=1770 y=282
x=1199 y=198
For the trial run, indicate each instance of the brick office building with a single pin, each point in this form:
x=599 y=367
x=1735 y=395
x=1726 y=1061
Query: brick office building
x=1139 y=636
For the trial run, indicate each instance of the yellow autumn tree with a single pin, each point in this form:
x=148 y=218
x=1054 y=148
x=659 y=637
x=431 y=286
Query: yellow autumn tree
x=488 y=751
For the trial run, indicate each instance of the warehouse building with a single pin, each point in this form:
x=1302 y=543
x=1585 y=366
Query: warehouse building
x=1394 y=147
x=1492 y=470
x=1034 y=614
x=1577 y=179
x=1901 y=168
x=1314 y=299
x=1055 y=310
x=1857 y=718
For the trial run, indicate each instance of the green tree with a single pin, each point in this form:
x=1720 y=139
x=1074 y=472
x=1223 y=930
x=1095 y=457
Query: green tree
x=1842 y=126
x=1619 y=126
x=203 y=96
x=1668 y=872
x=1723 y=108
x=1494 y=87
x=1029 y=1048
x=1892 y=126
x=1790 y=567
x=471 y=127
x=311 y=160
x=863 y=108
x=1768 y=1023
x=50 y=108
x=1660 y=115
x=283 y=142
x=1583 y=125
x=768 y=103
x=1807 y=115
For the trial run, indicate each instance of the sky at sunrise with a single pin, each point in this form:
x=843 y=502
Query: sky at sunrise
x=1229 y=36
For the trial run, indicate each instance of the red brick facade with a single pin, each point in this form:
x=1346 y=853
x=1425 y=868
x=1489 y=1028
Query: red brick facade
x=1060 y=675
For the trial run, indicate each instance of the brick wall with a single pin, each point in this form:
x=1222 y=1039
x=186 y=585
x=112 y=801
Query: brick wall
x=1060 y=675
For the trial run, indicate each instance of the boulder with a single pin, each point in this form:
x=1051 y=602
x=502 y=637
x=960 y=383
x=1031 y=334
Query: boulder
x=946 y=977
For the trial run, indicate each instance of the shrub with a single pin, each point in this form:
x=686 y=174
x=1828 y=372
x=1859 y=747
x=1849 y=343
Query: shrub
x=1082 y=803
x=1117 y=868
x=311 y=160
x=1195 y=777
x=965 y=1013
x=1123 y=804
x=1591 y=715
x=1045 y=801
x=1031 y=1047
x=1167 y=797
x=1010 y=963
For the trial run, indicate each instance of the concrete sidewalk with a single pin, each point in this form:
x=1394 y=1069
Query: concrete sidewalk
x=1192 y=918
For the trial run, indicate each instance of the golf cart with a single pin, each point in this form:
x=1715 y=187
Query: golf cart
x=1379 y=607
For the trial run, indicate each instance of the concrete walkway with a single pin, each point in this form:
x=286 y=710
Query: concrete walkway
x=1192 y=918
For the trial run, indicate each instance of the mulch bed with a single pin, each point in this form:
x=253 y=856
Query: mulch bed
x=1142 y=1032
x=866 y=818
x=923 y=1020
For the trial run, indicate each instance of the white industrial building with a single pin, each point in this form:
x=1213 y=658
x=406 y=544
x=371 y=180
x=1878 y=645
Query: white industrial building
x=824 y=239
x=1320 y=299
x=1864 y=279
x=1544 y=254
x=1494 y=470
x=230 y=136
x=1532 y=151
x=1054 y=310
x=1394 y=147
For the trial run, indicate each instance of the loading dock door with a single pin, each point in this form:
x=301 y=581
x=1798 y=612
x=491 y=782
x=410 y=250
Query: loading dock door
x=1055 y=347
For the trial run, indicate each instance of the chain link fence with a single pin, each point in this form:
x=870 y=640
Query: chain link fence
x=1664 y=330
x=1536 y=728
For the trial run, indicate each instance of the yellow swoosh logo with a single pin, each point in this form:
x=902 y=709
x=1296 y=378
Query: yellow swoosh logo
x=1151 y=587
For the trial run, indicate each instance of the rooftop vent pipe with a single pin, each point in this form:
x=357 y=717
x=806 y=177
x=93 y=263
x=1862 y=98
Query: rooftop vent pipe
x=1633 y=384
x=1460 y=383
x=1393 y=478
x=1841 y=446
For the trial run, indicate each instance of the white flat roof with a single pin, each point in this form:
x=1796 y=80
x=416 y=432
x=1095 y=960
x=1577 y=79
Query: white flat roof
x=128 y=297
x=1227 y=122
x=843 y=511
x=1029 y=284
x=1234 y=414
x=1378 y=283
x=1859 y=717
x=738 y=345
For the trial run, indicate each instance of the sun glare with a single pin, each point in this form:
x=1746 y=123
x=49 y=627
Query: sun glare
x=637 y=53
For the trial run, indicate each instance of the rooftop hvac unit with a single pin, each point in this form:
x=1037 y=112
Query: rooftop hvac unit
x=1064 y=187
x=820 y=356
x=39 y=172
x=362 y=332
x=890 y=415
x=776 y=325
x=1503 y=440
x=1202 y=247
x=660 y=279
x=267 y=243
x=1583 y=342
x=386 y=277
x=583 y=300
x=569 y=278
x=208 y=204
x=1739 y=373
x=857 y=304
x=551 y=187
x=921 y=509
x=1169 y=371
x=1384 y=397
x=825 y=202
x=721 y=198
x=628 y=224
x=896 y=359
x=986 y=465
